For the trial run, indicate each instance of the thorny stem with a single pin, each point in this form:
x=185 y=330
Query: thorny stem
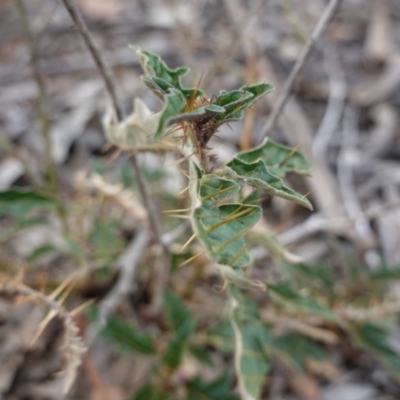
x=317 y=32
x=112 y=89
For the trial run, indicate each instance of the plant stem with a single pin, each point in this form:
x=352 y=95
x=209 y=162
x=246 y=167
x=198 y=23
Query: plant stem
x=51 y=175
x=103 y=68
x=50 y=167
x=113 y=91
x=317 y=32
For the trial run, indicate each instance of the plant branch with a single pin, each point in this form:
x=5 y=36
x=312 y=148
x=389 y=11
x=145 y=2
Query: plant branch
x=128 y=262
x=315 y=35
x=103 y=68
x=42 y=98
x=111 y=86
x=371 y=314
x=113 y=91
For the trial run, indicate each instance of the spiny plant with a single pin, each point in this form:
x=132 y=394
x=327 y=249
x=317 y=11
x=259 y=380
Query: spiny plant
x=219 y=215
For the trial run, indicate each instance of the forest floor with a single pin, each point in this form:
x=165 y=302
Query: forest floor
x=343 y=114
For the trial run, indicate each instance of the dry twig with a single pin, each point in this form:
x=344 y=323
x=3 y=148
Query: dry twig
x=127 y=262
x=73 y=345
x=112 y=89
x=315 y=35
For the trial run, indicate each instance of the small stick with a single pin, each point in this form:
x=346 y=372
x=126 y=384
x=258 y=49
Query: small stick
x=128 y=262
x=113 y=91
x=317 y=32
x=51 y=177
x=101 y=64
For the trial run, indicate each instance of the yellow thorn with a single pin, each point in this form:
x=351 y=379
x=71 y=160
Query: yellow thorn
x=187 y=243
x=180 y=210
x=179 y=216
x=290 y=155
x=114 y=156
x=191 y=259
x=80 y=308
x=183 y=190
x=210 y=196
x=229 y=218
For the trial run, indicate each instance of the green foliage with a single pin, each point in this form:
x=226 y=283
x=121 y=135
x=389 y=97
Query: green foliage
x=257 y=175
x=128 y=337
x=18 y=202
x=279 y=159
x=251 y=360
x=375 y=338
x=295 y=349
x=284 y=294
x=149 y=392
x=182 y=326
x=218 y=389
x=105 y=239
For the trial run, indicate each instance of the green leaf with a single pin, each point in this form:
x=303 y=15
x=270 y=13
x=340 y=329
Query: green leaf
x=375 y=339
x=153 y=66
x=296 y=349
x=201 y=354
x=262 y=237
x=278 y=158
x=128 y=337
x=385 y=273
x=182 y=324
x=251 y=361
x=176 y=346
x=176 y=312
x=257 y=175
x=18 y=202
x=222 y=337
x=237 y=101
x=213 y=188
x=106 y=240
x=41 y=251
x=219 y=389
x=284 y=294
x=222 y=230
x=149 y=392
x=312 y=276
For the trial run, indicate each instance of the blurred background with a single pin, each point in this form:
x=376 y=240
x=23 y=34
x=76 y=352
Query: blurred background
x=343 y=114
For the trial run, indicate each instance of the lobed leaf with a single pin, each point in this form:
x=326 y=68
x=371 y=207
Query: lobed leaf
x=278 y=158
x=258 y=175
x=165 y=77
x=237 y=101
x=222 y=230
x=212 y=188
x=251 y=361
